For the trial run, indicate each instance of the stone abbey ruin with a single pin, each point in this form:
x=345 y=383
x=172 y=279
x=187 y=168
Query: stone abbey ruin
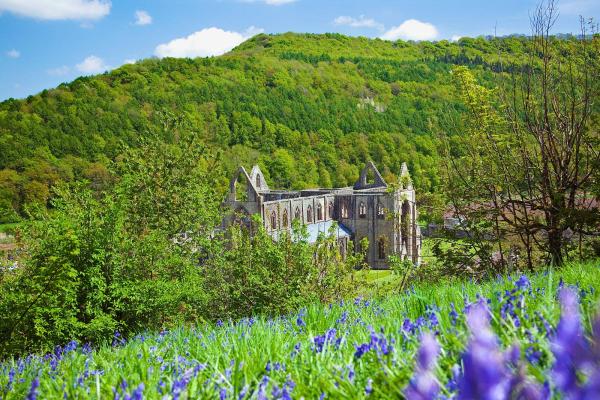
x=384 y=214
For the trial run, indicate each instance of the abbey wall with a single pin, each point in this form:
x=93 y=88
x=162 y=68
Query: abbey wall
x=384 y=214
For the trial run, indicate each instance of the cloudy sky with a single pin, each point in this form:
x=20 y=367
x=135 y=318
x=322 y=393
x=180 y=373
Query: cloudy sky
x=46 y=42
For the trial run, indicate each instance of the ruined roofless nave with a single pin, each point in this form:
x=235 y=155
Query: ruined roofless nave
x=372 y=209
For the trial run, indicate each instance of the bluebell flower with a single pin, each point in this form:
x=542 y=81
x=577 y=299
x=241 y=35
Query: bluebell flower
x=243 y=392
x=369 y=387
x=533 y=355
x=423 y=385
x=160 y=385
x=361 y=349
x=453 y=314
x=71 y=346
x=520 y=387
x=86 y=349
x=350 y=372
x=377 y=342
x=522 y=282
x=123 y=385
x=572 y=353
x=320 y=341
x=452 y=384
x=179 y=385
x=33 y=389
x=408 y=326
x=484 y=373
x=11 y=377
x=343 y=318
x=138 y=393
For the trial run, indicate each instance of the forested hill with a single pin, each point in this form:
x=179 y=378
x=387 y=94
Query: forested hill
x=309 y=108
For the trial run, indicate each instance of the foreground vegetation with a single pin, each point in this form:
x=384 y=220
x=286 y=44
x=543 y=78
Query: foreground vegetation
x=361 y=348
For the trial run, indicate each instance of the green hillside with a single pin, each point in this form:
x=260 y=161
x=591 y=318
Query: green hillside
x=310 y=109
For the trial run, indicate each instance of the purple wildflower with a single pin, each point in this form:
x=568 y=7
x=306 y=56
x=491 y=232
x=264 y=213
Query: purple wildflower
x=138 y=393
x=377 y=342
x=423 y=385
x=572 y=353
x=522 y=282
x=484 y=374
x=453 y=314
x=520 y=387
x=243 y=392
x=361 y=349
x=321 y=341
x=33 y=390
x=452 y=384
x=11 y=377
x=343 y=318
x=369 y=387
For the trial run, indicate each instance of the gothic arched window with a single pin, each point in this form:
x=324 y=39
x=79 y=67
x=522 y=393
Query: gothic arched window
x=309 y=216
x=330 y=210
x=273 y=220
x=258 y=181
x=319 y=212
x=285 y=219
x=297 y=214
x=362 y=210
x=380 y=211
x=344 y=209
x=381 y=248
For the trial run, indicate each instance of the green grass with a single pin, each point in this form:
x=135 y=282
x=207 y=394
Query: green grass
x=236 y=354
x=8 y=228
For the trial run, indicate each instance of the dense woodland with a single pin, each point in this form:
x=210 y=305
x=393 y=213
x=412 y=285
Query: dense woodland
x=310 y=109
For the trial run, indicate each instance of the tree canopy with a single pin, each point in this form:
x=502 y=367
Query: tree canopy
x=310 y=109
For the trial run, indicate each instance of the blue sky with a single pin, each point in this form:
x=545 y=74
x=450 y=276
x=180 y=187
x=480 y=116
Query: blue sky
x=46 y=42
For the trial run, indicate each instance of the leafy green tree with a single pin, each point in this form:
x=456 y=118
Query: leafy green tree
x=124 y=260
x=526 y=167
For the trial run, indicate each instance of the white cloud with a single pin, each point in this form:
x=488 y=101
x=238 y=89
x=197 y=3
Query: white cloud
x=59 y=71
x=455 y=38
x=14 y=53
x=412 y=29
x=142 y=18
x=92 y=65
x=129 y=61
x=57 y=9
x=205 y=43
x=270 y=2
x=360 y=22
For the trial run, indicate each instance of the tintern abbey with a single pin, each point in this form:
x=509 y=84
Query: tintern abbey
x=385 y=215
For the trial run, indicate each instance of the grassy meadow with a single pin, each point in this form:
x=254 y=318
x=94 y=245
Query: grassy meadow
x=357 y=349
